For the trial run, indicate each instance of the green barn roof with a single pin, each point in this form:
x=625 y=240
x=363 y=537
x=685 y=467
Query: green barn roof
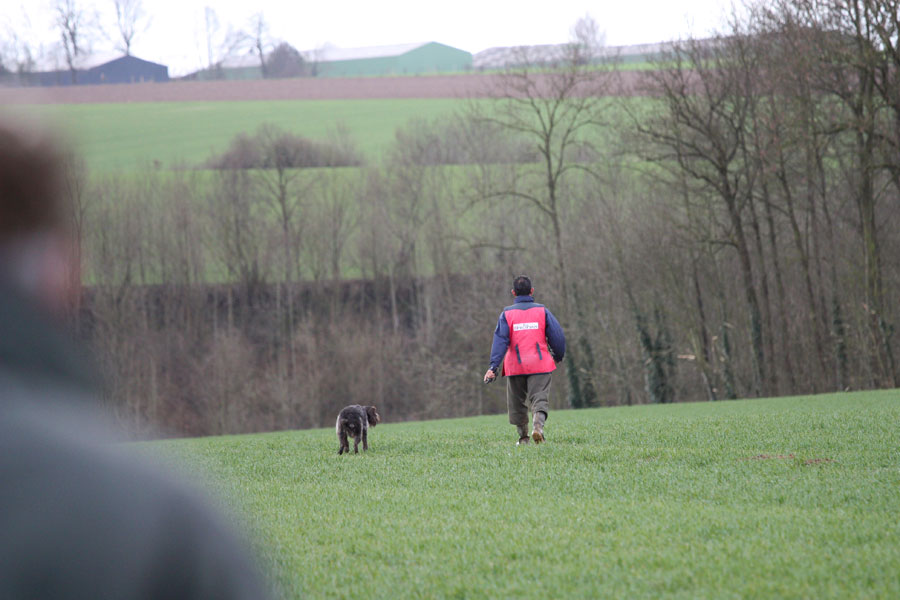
x=399 y=59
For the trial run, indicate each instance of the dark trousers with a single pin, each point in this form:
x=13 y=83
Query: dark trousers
x=527 y=392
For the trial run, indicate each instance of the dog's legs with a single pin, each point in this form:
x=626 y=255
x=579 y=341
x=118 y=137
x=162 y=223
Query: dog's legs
x=355 y=445
x=345 y=444
x=365 y=435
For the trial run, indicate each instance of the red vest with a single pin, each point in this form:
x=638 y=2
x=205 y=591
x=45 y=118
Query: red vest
x=527 y=353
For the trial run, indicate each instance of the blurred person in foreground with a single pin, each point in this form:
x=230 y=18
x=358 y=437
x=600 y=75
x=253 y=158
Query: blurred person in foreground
x=528 y=342
x=79 y=518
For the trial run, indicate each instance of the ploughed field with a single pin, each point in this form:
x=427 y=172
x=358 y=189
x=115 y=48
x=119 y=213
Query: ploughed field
x=415 y=86
x=772 y=498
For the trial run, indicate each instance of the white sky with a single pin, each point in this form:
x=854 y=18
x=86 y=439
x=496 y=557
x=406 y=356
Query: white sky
x=176 y=34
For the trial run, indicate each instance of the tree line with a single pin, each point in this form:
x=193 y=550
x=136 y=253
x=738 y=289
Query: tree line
x=727 y=234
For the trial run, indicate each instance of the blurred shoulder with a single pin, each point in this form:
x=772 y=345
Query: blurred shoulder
x=74 y=497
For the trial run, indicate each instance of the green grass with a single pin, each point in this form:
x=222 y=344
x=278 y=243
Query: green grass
x=132 y=135
x=135 y=136
x=642 y=502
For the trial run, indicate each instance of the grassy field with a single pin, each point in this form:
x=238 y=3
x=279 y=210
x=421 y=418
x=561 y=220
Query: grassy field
x=776 y=498
x=135 y=136
x=132 y=135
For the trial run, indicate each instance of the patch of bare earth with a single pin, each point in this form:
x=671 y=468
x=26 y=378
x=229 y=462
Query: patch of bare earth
x=430 y=86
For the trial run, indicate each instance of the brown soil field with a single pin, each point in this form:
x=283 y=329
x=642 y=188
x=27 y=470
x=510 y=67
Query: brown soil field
x=432 y=86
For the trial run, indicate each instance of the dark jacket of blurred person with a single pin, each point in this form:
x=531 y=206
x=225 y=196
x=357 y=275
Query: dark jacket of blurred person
x=79 y=517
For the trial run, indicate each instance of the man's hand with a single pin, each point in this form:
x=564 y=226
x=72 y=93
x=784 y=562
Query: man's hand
x=489 y=376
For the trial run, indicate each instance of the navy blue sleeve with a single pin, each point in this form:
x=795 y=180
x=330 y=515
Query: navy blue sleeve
x=501 y=342
x=555 y=336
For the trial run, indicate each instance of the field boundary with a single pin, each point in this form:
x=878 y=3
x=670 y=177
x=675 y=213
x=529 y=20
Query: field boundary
x=430 y=86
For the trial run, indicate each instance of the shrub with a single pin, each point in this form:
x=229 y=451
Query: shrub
x=271 y=147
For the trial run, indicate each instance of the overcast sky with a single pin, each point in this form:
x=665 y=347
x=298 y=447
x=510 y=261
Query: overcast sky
x=176 y=33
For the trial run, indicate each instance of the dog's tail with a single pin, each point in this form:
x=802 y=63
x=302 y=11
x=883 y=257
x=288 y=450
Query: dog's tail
x=343 y=422
x=352 y=425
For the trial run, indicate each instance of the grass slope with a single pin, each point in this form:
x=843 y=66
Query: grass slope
x=650 y=501
x=132 y=135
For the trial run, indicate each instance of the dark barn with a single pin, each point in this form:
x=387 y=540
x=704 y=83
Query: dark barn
x=125 y=69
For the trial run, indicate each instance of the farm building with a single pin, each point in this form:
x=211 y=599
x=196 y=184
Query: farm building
x=512 y=56
x=236 y=67
x=100 y=69
x=127 y=69
x=400 y=59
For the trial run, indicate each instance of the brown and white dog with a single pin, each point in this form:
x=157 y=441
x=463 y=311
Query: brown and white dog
x=354 y=421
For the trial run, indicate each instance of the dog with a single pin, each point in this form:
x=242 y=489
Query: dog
x=354 y=421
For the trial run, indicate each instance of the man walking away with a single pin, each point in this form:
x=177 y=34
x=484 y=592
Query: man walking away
x=533 y=342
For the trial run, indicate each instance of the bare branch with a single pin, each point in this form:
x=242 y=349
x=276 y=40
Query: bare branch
x=130 y=20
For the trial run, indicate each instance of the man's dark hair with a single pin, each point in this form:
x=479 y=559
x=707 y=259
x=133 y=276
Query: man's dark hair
x=522 y=286
x=31 y=175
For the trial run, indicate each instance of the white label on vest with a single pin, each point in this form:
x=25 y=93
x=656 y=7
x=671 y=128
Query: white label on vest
x=521 y=326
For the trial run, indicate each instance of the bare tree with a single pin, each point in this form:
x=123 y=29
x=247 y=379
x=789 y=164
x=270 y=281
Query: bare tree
x=130 y=19
x=221 y=44
x=708 y=98
x=885 y=26
x=211 y=22
x=331 y=221
x=284 y=190
x=791 y=142
x=18 y=50
x=239 y=235
x=285 y=61
x=315 y=60
x=24 y=60
x=259 y=31
x=856 y=40
x=7 y=51
x=556 y=103
x=75 y=26
x=278 y=186
x=587 y=39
